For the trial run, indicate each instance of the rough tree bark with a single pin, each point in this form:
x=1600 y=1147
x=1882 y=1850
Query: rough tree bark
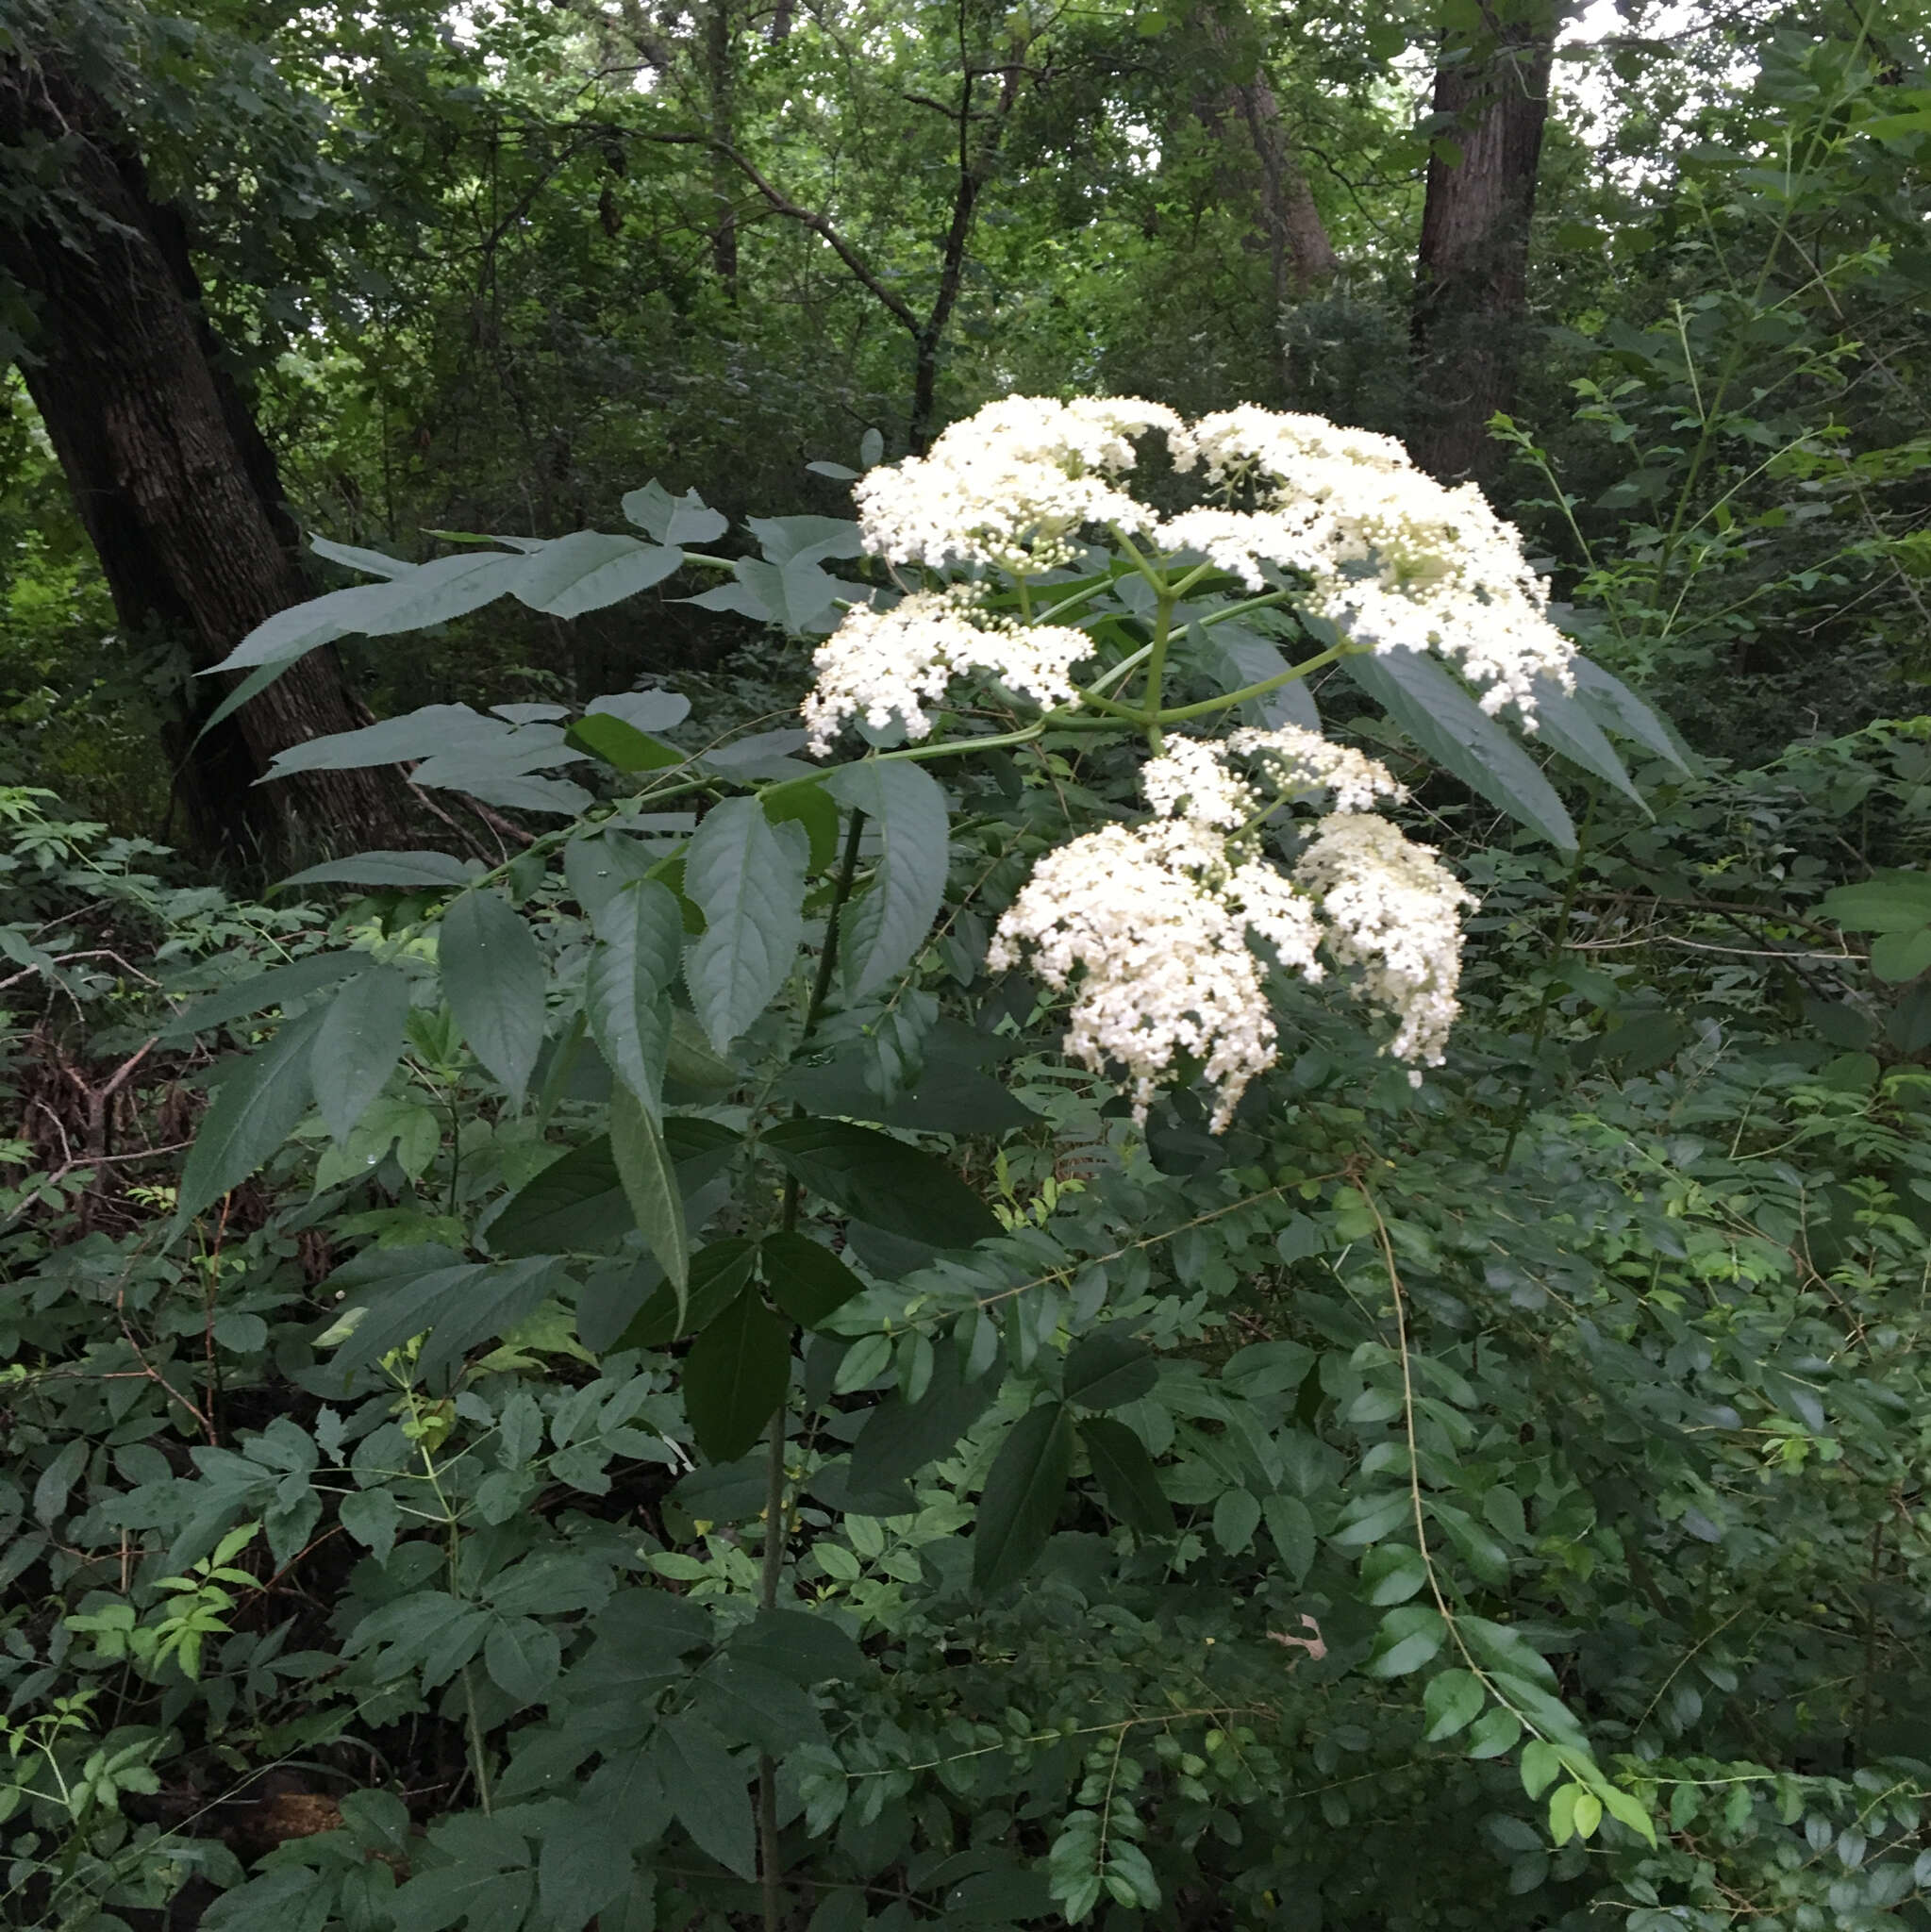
x=170 y=475
x=1471 y=302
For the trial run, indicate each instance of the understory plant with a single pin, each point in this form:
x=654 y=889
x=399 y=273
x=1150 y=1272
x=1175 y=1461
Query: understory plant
x=948 y=1332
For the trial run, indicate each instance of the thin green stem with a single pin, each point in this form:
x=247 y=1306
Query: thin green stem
x=775 y=1536
x=1208 y=707
x=1156 y=669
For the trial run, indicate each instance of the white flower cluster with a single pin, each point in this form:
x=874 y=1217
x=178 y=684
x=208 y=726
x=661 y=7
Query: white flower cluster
x=881 y=664
x=1155 y=922
x=1011 y=485
x=1395 y=556
x=1150 y=927
x=1392 y=909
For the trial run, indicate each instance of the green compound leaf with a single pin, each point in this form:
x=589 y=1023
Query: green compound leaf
x=1021 y=1497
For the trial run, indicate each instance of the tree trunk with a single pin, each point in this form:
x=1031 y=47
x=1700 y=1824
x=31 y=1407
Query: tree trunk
x=170 y=476
x=1471 y=305
x=1244 y=113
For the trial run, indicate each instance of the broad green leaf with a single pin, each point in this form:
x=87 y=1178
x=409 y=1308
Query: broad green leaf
x=433 y=592
x=588 y=569
x=372 y=563
x=432 y=731
x=718 y=1274
x=492 y=975
x=250 y=687
x=883 y=1181
x=456 y=1308
x=735 y=1378
x=1126 y=1476
x=882 y=930
x=577 y=1205
x=584 y=1865
x=674 y=519
x=1461 y=736
x=1495 y=1734
x=406 y=870
x=1892 y=902
x=1023 y=1494
x=627 y=989
x=1618 y=709
x=253 y=1113
x=903 y=1438
x=1452 y=1700
x=1408 y=1639
x=808 y=802
x=255 y=993
x=708 y=1792
x=1107 y=1368
x=621 y=745
x=1896 y=956
x=1291 y=1525
x=597 y=869
x=1564 y=725
x=642 y=710
x=1393 y=1573
x=1236 y=1517
x=357 y=1045
x=650 y=1186
x=806 y=1280
x=689 y=1061
x=747 y=877
x=1235 y=656
x=522 y=1658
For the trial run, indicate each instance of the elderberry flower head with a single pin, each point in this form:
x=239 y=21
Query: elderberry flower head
x=1012 y=485
x=1394 y=557
x=1392 y=910
x=884 y=664
x=1152 y=927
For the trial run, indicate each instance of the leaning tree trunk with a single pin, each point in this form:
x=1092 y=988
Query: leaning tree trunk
x=1471 y=304
x=170 y=476
x=1245 y=114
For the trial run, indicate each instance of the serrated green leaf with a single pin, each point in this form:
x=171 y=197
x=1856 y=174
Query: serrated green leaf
x=1461 y=736
x=735 y=1378
x=718 y=1274
x=1565 y=725
x=492 y=975
x=882 y=1181
x=1618 y=709
x=584 y=1865
x=903 y=1438
x=747 y=877
x=1023 y=1494
x=254 y=1112
x=708 y=1792
x=626 y=987
x=883 y=927
x=622 y=746
x=588 y=569
x=1291 y=1525
x=402 y=871
x=357 y=1045
x=806 y=1280
x=650 y=1186
x=809 y=803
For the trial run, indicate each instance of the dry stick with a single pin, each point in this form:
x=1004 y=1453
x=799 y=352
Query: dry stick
x=774 y=1533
